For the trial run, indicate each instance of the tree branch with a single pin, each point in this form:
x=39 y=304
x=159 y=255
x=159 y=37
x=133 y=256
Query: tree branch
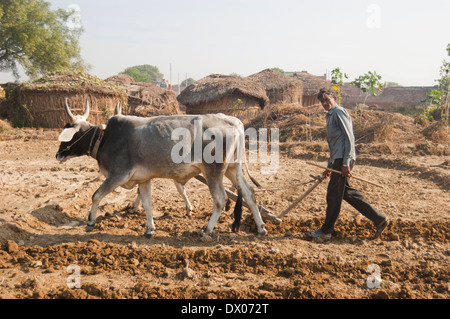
x=5 y=55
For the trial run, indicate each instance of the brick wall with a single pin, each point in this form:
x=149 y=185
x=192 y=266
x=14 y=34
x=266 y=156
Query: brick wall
x=389 y=98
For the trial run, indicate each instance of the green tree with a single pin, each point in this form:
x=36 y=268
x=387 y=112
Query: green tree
x=187 y=82
x=337 y=80
x=278 y=70
x=444 y=86
x=144 y=73
x=439 y=99
x=38 y=38
x=370 y=83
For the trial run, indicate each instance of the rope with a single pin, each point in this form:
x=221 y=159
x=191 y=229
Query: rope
x=268 y=189
x=71 y=145
x=283 y=187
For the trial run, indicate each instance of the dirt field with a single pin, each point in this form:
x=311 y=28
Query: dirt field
x=44 y=207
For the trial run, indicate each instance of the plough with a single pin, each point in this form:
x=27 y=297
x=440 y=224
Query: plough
x=278 y=219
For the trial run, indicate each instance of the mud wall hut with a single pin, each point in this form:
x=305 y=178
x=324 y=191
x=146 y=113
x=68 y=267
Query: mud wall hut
x=311 y=87
x=146 y=99
x=280 y=89
x=41 y=103
x=231 y=95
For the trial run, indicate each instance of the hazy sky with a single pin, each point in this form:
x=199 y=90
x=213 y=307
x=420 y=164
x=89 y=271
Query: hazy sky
x=404 y=41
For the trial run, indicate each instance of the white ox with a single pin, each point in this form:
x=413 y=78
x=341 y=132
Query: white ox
x=133 y=150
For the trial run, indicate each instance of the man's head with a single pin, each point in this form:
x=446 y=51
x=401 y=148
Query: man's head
x=327 y=99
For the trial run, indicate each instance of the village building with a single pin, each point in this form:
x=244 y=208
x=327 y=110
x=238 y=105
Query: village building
x=390 y=98
x=41 y=103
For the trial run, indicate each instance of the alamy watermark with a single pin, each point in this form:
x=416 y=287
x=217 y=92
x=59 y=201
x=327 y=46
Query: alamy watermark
x=216 y=145
x=374 y=280
x=74 y=279
x=374 y=19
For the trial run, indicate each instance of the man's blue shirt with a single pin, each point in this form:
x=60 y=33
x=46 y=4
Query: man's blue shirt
x=340 y=137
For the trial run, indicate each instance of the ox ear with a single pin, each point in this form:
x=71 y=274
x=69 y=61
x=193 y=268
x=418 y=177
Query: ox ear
x=68 y=133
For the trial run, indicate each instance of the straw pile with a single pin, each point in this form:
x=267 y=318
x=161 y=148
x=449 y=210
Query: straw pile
x=279 y=87
x=311 y=87
x=232 y=95
x=146 y=99
x=41 y=103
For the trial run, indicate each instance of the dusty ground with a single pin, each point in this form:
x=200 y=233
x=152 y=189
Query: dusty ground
x=44 y=207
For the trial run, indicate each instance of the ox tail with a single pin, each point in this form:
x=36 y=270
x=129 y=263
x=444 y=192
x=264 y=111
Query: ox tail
x=254 y=181
x=237 y=213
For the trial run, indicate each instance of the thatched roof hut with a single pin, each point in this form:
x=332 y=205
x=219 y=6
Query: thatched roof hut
x=311 y=87
x=279 y=87
x=41 y=103
x=232 y=95
x=146 y=99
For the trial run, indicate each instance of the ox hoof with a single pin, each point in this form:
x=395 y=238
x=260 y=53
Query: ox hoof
x=149 y=234
x=204 y=237
x=262 y=233
x=206 y=234
x=90 y=228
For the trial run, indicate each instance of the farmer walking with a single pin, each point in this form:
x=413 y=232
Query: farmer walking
x=341 y=142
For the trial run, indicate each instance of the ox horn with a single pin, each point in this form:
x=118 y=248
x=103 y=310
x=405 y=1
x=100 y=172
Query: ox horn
x=72 y=117
x=118 y=109
x=86 y=111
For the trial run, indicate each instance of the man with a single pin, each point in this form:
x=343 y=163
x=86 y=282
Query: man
x=341 y=142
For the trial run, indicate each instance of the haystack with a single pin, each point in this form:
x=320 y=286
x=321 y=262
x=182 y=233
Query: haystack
x=120 y=80
x=311 y=87
x=41 y=103
x=146 y=99
x=231 y=95
x=280 y=89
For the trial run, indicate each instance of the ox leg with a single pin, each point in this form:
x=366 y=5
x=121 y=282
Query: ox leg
x=236 y=176
x=182 y=191
x=137 y=201
x=145 y=190
x=107 y=187
x=219 y=200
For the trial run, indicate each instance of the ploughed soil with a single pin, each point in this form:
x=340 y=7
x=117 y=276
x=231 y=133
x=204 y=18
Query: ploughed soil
x=45 y=251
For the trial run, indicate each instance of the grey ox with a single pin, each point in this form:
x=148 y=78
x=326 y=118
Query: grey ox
x=132 y=151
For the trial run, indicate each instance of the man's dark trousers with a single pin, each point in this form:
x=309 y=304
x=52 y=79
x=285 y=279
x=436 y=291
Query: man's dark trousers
x=339 y=189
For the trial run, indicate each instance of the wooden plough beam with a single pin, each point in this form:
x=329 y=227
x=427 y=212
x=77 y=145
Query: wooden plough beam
x=319 y=181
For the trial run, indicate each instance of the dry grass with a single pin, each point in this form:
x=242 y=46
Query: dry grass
x=437 y=132
x=368 y=132
x=4 y=126
x=303 y=129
